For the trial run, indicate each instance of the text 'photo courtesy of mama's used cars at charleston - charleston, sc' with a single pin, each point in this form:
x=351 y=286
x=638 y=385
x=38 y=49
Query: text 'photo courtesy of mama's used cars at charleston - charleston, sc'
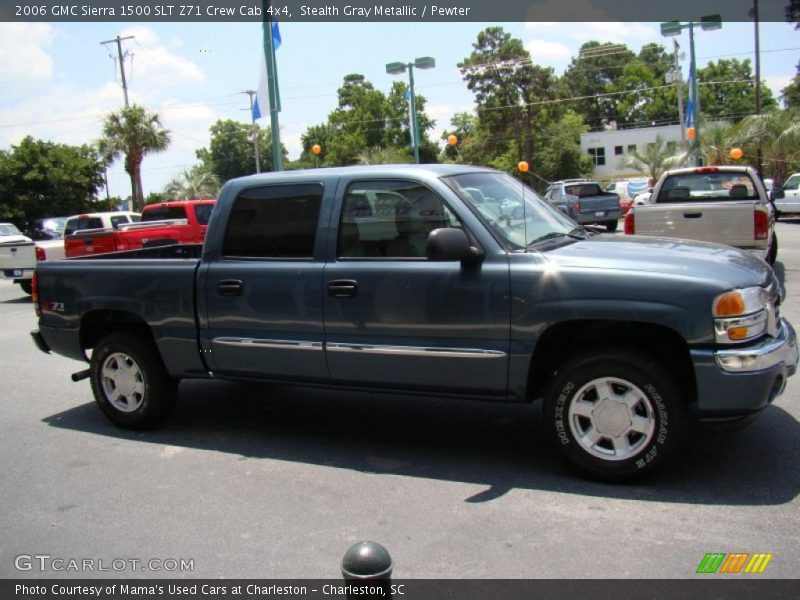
x=443 y=279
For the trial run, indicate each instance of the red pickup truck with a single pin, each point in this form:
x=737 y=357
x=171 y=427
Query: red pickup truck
x=183 y=222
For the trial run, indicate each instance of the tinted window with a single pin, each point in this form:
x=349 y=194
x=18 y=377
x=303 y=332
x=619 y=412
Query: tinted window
x=703 y=186
x=274 y=222
x=391 y=219
x=583 y=190
x=162 y=213
x=202 y=213
x=117 y=220
x=82 y=223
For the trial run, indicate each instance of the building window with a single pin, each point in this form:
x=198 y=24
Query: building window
x=631 y=148
x=617 y=150
x=598 y=156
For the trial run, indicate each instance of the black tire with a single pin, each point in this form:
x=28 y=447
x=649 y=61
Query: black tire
x=27 y=286
x=611 y=226
x=658 y=402
x=772 y=253
x=150 y=392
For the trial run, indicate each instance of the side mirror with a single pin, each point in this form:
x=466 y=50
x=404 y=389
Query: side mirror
x=449 y=243
x=777 y=193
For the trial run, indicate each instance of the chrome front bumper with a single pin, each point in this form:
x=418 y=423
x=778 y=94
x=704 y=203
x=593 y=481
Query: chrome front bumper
x=773 y=352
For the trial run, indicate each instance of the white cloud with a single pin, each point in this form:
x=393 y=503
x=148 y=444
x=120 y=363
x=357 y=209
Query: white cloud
x=624 y=33
x=153 y=64
x=292 y=140
x=543 y=51
x=24 y=59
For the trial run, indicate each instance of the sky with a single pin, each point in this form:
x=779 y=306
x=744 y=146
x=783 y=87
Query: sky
x=57 y=80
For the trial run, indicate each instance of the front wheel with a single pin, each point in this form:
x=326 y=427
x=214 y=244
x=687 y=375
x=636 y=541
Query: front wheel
x=615 y=414
x=129 y=381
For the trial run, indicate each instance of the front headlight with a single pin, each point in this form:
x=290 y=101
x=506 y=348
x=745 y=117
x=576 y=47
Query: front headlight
x=740 y=315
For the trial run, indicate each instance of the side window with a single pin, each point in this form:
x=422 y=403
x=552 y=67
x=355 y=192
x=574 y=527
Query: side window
x=277 y=221
x=117 y=220
x=792 y=183
x=203 y=213
x=390 y=219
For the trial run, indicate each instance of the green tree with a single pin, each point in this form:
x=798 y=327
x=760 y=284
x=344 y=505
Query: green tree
x=593 y=73
x=196 y=183
x=464 y=126
x=511 y=91
x=657 y=157
x=777 y=132
x=230 y=150
x=791 y=93
x=728 y=92
x=716 y=142
x=43 y=179
x=384 y=156
x=135 y=133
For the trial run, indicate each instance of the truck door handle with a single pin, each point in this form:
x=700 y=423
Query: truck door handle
x=692 y=215
x=230 y=287
x=342 y=288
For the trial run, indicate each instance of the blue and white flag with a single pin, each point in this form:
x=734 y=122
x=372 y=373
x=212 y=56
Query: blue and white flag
x=690 y=102
x=261 y=104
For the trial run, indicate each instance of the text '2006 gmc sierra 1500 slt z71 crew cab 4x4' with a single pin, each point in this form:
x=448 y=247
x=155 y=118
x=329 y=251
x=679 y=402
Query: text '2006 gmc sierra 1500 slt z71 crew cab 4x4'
x=443 y=279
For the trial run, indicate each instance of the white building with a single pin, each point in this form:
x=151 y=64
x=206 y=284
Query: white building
x=609 y=149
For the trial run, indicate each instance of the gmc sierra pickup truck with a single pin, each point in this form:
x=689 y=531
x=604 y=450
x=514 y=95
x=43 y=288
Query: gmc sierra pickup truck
x=438 y=279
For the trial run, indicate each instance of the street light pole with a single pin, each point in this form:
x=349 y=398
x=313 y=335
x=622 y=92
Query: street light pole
x=696 y=107
x=395 y=68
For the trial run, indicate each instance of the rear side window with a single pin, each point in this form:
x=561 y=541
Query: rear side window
x=118 y=220
x=583 y=190
x=82 y=223
x=162 y=213
x=202 y=213
x=706 y=186
x=274 y=222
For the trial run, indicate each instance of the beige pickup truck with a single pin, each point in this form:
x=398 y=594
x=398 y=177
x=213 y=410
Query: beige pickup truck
x=724 y=204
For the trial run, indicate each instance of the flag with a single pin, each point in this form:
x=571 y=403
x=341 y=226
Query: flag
x=261 y=104
x=690 y=101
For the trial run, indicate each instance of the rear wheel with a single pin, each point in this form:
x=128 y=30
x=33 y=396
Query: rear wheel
x=615 y=414
x=611 y=226
x=129 y=381
x=27 y=286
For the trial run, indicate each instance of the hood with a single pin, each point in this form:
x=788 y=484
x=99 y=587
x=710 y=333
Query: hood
x=672 y=257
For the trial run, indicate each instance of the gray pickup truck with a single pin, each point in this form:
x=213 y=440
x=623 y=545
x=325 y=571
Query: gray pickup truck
x=435 y=279
x=585 y=202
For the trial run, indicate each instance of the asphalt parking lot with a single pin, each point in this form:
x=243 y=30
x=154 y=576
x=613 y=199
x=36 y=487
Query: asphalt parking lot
x=277 y=482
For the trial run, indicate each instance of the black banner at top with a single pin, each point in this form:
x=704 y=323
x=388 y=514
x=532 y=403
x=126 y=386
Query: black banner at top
x=385 y=10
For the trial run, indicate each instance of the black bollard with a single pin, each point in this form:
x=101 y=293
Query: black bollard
x=367 y=567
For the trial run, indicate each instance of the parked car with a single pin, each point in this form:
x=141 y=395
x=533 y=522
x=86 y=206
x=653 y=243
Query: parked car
x=17 y=256
x=51 y=228
x=723 y=204
x=786 y=198
x=585 y=202
x=444 y=279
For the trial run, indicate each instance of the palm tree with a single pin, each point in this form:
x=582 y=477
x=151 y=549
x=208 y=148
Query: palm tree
x=194 y=183
x=777 y=132
x=133 y=132
x=716 y=142
x=656 y=158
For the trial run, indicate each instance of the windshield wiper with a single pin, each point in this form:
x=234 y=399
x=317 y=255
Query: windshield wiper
x=556 y=234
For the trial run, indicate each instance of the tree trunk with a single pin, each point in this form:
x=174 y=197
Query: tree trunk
x=133 y=190
x=139 y=199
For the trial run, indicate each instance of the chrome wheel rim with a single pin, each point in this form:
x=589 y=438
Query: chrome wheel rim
x=123 y=383
x=611 y=418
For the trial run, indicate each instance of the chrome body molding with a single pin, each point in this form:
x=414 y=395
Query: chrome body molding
x=277 y=344
x=426 y=351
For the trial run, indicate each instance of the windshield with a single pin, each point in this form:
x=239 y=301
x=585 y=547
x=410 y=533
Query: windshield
x=513 y=211
x=792 y=183
x=9 y=229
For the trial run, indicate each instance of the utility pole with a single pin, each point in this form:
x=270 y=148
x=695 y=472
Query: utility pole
x=118 y=41
x=758 y=81
x=252 y=93
x=274 y=94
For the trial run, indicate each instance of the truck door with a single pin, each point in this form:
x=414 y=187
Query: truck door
x=395 y=319
x=264 y=293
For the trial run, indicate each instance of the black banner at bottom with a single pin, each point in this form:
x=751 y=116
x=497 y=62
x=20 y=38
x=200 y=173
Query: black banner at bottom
x=709 y=588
